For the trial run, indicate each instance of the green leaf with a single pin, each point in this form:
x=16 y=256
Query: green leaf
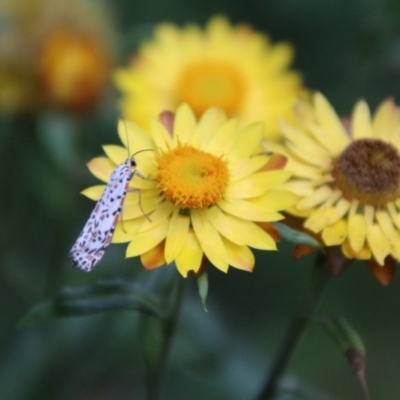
x=296 y=237
x=153 y=337
x=350 y=343
x=100 y=297
x=202 y=284
x=341 y=331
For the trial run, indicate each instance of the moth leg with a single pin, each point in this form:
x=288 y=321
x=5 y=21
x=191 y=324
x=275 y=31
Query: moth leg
x=139 y=192
x=146 y=178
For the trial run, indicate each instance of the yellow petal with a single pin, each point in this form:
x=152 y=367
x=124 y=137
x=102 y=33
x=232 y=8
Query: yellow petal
x=363 y=254
x=305 y=147
x=386 y=120
x=246 y=167
x=184 y=125
x=274 y=147
x=94 y=192
x=388 y=229
x=246 y=142
x=256 y=184
x=162 y=138
x=369 y=214
x=275 y=200
x=101 y=168
x=250 y=209
x=117 y=154
x=240 y=231
x=125 y=231
x=221 y=142
x=395 y=251
x=302 y=170
x=209 y=123
x=357 y=227
x=176 y=237
x=209 y=239
x=394 y=214
x=137 y=182
x=336 y=138
x=317 y=220
x=240 y=257
x=131 y=208
x=282 y=55
x=378 y=243
x=301 y=188
x=133 y=137
x=190 y=257
x=122 y=77
x=218 y=28
x=335 y=234
x=146 y=168
x=133 y=197
x=339 y=210
x=317 y=197
x=162 y=212
x=145 y=241
x=361 y=121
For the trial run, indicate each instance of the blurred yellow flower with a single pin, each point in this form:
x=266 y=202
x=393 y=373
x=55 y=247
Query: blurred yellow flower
x=347 y=176
x=208 y=189
x=232 y=67
x=66 y=57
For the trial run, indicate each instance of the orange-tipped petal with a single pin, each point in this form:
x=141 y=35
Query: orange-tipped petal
x=383 y=273
x=154 y=258
x=302 y=250
x=277 y=161
x=270 y=229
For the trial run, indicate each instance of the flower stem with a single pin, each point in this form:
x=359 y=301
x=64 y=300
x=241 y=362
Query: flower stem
x=156 y=379
x=300 y=323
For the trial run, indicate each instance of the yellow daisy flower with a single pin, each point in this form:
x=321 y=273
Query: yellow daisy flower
x=347 y=176
x=234 y=68
x=208 y=187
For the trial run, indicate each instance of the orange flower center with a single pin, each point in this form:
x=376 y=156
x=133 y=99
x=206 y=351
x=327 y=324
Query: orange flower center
x=205 y=84
x=192 y=178
x=369 y=171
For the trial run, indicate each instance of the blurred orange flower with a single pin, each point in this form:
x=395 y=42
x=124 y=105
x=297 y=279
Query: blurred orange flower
x=73 y=69
x=53 y=54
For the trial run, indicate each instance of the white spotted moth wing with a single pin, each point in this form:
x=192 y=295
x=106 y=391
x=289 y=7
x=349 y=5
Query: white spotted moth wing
x=98 y=231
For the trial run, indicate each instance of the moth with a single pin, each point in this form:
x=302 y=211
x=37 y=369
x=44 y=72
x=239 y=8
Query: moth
x=98 y=231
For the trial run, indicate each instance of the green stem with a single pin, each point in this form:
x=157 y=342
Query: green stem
x=156 y=380
x=296 y=330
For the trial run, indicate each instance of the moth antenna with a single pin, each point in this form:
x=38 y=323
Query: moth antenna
x=141 y=151
x=127 y=138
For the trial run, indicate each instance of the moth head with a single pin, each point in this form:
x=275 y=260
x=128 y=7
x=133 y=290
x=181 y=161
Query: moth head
x=133 y=162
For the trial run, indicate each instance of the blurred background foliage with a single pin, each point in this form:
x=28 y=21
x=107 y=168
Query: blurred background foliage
x=346 y=49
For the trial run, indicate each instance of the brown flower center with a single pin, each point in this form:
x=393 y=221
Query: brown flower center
x=369 y=171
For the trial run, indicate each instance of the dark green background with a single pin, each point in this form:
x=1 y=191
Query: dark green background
x=347 y=50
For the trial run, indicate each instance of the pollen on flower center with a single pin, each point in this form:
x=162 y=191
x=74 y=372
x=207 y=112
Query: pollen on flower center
x=210 y=83
x=192 y=178
x=369 y=171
